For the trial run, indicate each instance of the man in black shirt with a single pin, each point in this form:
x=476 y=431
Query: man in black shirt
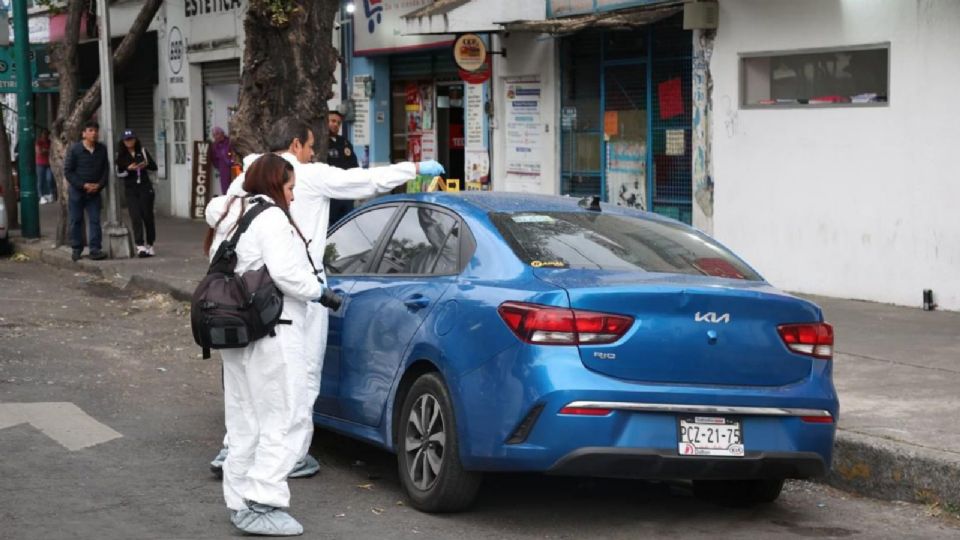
x=340 y=154
x=86 y=169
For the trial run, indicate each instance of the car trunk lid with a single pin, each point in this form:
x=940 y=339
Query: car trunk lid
x=689 y=329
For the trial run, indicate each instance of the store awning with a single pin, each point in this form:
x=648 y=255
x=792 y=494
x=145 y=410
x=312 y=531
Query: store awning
x=611 y=20
x=463 y=16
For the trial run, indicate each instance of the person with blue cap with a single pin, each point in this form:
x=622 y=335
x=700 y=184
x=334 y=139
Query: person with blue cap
x=132 y=162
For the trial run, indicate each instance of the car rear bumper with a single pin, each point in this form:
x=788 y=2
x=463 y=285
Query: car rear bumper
x=512 y=420
x=652 y=463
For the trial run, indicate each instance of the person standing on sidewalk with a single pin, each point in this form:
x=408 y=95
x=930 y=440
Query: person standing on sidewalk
x=44 y=174
x=221 y=156
x=133 y=161
x=340 y=154
x=86 y=168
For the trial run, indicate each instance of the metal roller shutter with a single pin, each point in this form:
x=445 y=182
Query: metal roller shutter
x=418 y=66
x=221 y=72
x=138 y=111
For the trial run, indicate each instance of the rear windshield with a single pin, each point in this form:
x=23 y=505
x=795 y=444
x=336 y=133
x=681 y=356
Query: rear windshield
x=608 y=242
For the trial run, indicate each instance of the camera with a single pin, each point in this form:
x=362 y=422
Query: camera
x=330 y=300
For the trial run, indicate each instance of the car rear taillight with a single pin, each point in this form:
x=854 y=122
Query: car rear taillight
x=585 y=411
x=545 y=325
x=811 y=339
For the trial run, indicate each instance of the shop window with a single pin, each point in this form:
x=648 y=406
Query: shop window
x=179 y=130
x=849 y=76
x=581 y=117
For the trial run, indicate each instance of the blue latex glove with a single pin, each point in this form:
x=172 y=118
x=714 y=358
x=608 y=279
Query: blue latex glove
x=431 y=168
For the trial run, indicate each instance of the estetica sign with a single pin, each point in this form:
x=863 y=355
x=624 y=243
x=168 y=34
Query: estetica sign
x=192 y=8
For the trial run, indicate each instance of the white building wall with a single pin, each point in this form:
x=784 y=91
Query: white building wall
x=847 y=202
x=187 y=83
x=527 y=55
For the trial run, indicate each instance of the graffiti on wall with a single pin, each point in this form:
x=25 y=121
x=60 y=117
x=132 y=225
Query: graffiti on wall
x=702 y=115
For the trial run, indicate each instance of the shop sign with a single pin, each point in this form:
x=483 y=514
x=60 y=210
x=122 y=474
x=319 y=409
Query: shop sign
x=564 y=8
x=200 y=190
x=192 y=8
x=175 y=55
x=45 y=78
x=378 y=28
x=479 y=76
x=469 y=52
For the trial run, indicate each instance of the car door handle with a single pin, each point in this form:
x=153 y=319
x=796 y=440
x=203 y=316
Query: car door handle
x=416 y=302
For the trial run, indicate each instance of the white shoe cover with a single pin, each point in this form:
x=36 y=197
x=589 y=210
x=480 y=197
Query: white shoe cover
x=266 y=521
x=306 y=467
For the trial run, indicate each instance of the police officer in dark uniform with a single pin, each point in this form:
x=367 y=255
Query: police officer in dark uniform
x=340 y=154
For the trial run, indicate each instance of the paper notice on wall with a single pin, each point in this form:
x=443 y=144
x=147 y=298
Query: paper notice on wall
x=675 y=142
x=473 y=116
x=627 y=174
x=477 y=166
x=524 y=128
x=428 y=145
x=671 y=98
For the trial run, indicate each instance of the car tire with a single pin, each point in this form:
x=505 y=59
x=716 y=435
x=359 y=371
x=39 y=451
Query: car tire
x=429 y=459
x=6 y=247
x=739 y=492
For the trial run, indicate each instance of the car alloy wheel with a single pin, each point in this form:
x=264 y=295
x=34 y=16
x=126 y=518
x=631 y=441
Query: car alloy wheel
x=425 y=441
x=428 y=450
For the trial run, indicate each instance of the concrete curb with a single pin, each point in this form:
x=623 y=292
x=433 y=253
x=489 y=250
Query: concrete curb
x=39 y=250
x=892 y=470
x=863 y=464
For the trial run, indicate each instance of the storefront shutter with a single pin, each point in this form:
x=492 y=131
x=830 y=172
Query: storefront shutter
x=221 y=72
x=138 y=112
x=436 y=64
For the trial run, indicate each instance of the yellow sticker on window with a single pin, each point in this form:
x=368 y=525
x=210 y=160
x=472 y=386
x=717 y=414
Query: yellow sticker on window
x=548 y=264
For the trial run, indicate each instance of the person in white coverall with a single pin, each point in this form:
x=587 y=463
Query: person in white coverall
x=317 y=183
x=258 y=399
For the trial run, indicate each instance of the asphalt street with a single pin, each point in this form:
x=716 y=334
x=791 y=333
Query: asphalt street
x=133 y=416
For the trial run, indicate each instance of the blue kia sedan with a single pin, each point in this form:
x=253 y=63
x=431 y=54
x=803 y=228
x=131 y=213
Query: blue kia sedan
x=504 y=332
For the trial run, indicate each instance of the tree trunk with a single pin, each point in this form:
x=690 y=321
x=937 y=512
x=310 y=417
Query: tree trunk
x=6 y=176
x=288 y=69
x=75 y=109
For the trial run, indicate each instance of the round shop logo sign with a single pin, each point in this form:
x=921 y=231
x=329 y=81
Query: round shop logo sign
x=176 y=50
x=469 y=52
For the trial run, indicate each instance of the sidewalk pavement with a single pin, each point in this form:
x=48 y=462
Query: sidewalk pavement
x=897 y=370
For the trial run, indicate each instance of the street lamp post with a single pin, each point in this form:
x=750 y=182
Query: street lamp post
x=29 y=198
x=117 y=235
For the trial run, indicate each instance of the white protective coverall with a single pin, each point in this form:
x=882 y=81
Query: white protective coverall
x=258 y=399
x=316 y=184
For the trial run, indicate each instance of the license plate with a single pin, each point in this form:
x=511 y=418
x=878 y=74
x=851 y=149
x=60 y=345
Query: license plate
x=710 y=436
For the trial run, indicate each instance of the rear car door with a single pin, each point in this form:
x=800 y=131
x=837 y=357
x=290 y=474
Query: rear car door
x=349 y=252
x=417 y=264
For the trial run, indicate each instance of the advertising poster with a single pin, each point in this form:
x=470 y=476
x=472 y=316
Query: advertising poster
x=360 y=129
x=524 y=129
x=473 y=116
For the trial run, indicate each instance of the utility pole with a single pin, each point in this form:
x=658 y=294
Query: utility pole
x=118 y=237
x=29 y=198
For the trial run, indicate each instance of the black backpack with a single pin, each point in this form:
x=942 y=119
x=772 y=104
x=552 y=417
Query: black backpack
x=230 y=311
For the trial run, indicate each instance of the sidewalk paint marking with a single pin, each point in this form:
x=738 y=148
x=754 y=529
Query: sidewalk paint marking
x=63 y=422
